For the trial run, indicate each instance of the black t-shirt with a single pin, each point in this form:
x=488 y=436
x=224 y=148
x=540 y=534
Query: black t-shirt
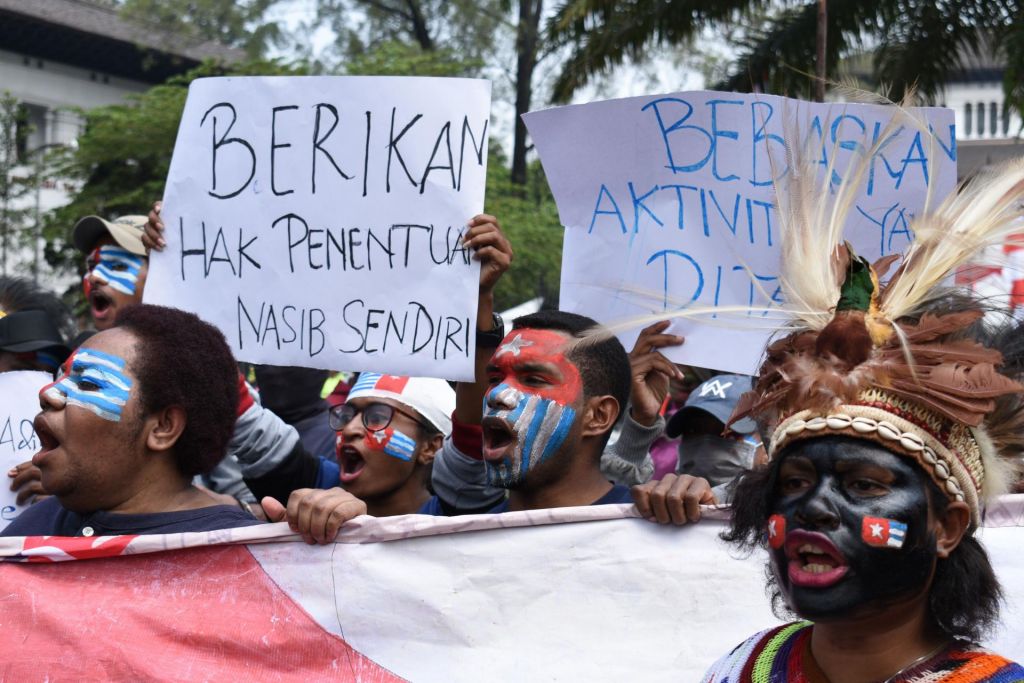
x=50 y=518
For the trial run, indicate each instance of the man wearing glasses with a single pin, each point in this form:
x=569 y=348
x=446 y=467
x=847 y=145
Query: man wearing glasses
x=388 y=432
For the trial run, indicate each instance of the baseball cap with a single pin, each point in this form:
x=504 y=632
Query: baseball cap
x=126 y=231
x=432 y=398
x=718 y=396
x=24 y=331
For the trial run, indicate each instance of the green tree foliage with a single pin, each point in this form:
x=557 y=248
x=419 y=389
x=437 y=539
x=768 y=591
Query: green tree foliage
x=122 y=158
x=913 y=42
x=235 y=23
x=529 y=218
x=465 y=27
x=16 y=179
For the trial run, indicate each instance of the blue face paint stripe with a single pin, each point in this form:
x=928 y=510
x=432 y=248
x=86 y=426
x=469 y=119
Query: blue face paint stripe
x=560 y=432
x=123 y=280
x=540 y=409
x=89 y=401
x=366 y=381
x=121 y=284
x=400 y=446
x=115 y=362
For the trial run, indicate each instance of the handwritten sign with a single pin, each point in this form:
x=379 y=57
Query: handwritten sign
x=668 y=203
x=318 y=221
x=19 y=404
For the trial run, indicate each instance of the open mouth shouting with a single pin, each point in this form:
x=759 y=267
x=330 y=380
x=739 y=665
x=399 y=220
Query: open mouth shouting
x=813 y=560
x=351 y=463
x=48 y=441
x=498 y=438
x=100 y=304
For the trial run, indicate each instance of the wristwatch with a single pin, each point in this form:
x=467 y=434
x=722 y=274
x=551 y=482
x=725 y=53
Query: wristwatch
x=491 y=339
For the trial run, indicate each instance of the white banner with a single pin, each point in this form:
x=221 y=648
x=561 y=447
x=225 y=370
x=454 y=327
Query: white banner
x=19 y=405
x=668 y=203
x=572 y=594
x=317 y=221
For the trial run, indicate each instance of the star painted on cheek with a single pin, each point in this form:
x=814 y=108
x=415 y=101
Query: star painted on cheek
x=772 y=532
x=378 y=436
x=514 y=347
x=876 y=530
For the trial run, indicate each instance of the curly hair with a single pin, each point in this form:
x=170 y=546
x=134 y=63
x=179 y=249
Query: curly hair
x=965 y=595
x=182 y=361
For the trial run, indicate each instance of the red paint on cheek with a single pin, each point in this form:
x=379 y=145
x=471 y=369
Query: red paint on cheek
x=376 y=441
x=538 y=353
x=776 y=531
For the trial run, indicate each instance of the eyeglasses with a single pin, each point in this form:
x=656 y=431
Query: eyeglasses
x=376 y=416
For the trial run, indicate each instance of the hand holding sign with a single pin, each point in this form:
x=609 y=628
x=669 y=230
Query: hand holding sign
x=320 y=221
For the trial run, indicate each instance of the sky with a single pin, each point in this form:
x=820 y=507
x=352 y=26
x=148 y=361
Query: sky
x=662 y=74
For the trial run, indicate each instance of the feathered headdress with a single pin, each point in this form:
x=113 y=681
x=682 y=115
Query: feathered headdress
x=900 y=362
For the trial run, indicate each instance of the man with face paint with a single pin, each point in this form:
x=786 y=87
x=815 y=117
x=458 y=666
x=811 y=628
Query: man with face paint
x=388 y=431
x=135 y=413
x=893 y=417
x=116 y=264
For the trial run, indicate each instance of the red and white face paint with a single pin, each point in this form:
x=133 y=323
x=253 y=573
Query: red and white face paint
x=528 y=411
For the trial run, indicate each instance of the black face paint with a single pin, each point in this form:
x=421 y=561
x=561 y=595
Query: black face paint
x=825 y=489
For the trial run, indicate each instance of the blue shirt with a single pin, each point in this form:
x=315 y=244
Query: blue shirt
x=50 y=518
x=617 y=494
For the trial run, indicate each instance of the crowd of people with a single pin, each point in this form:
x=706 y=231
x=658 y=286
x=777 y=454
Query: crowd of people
x=862 y=474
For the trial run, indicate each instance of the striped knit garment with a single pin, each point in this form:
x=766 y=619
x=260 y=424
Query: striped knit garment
x=780 y=655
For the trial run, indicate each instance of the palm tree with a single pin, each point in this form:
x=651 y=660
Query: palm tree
x=911 y=42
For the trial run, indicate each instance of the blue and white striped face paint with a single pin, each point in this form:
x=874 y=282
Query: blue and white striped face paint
x=95 y=381
x=393 y=442
x=116 y=267
x=540 y=424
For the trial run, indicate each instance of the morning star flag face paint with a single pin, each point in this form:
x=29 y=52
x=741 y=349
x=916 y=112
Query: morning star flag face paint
x=883 y=533
x=117 y=267
x=540 y=425
x=534 y=388
x=392 y=442
x=95 y=381
x=776 y=531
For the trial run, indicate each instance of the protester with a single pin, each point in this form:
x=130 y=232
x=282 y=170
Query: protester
x=31 y=322
x=890 y=427
x=32 y=337
x=554 y=389
x=137 y=412
x=116 y=262
x=388 y=432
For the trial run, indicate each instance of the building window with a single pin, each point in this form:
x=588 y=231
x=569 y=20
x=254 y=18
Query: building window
x=968 y=123
x=1006 y=121
x=981 y=119
x=993 y=118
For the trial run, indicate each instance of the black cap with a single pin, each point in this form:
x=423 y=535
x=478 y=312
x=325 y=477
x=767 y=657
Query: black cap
x=25 y=331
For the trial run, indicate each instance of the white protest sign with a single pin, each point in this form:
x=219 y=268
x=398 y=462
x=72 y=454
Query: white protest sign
x=317 y=221
x=668 y=203
x=19 y=405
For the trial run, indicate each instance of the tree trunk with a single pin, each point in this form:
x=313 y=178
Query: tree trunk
x=419 y=25
x=527 y=41
x=821 y=71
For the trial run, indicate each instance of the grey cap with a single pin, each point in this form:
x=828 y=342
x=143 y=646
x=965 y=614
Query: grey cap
x=126 y=231
x=717 y=396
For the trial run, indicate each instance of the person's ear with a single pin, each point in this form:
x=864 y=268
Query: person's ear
x=164 y=428
x=429 y=448
x=599 y=415
x=950 y=527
